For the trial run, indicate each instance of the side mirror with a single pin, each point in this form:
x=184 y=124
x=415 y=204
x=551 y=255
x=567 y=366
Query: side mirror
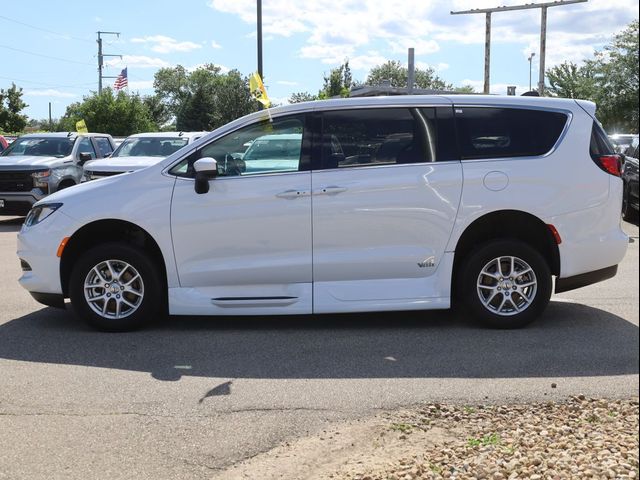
x=107 y=155
x=206 y=168
x=84 y=157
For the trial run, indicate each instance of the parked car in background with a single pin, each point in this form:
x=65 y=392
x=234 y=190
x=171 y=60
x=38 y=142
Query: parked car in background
x=362 y=204
x=35 y=165
x=622 y=141
x=139 y=151
x=630 y=179
x=3 y=143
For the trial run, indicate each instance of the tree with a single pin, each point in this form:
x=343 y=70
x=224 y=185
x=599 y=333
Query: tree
x=338 y=83
x=617 y=71
x=299 y=97
x=610 y=79
x=11 y=105
x=120 y=114
x=569 y=80
x=159 y=111
x=205 y=98
x=397 y=74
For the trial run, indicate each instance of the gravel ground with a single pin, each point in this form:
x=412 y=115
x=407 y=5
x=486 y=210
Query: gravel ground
x=582 y=438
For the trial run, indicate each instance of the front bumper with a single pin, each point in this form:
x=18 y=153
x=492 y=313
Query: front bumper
x=19 y=203
x=37 y=246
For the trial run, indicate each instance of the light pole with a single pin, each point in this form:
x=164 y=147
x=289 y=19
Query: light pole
x=530 y=58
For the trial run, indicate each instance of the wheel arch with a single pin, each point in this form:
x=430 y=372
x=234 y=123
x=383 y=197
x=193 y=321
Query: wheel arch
x=523 y=226
x=104 y=231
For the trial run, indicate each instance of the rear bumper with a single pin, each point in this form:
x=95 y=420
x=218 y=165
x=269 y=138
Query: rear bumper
x=584 y=279
x=49 y=299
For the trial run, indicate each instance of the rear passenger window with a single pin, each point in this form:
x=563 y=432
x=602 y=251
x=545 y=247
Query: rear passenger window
x=386 y=136
x=507 y=132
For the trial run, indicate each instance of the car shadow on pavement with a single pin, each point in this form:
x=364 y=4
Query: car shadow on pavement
x=570 y=340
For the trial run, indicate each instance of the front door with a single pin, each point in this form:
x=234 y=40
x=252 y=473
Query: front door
x=245 y=246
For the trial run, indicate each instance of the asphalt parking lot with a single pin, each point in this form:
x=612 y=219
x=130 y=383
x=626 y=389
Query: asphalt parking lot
x=189 y=396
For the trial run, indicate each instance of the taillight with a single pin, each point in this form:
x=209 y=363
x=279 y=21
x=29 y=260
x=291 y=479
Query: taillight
x=612 y=164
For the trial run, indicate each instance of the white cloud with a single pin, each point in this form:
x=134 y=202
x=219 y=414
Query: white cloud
x=215 y=44
x=337 y=29
x=137 y=61
x=421 y=46
x=366 y=62
x=223 y=69
x=287 y=83
x=49 y=92
x=163 y=44
x=141 y=84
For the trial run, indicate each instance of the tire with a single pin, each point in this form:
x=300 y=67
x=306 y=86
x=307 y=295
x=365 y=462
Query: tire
x=628 y=214
x=127 y=303
x=65 y=184
x=505 y=301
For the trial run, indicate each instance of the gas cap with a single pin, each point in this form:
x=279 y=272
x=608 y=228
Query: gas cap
x=496 y=181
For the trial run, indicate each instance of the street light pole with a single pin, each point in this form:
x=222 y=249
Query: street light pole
x=530 y=58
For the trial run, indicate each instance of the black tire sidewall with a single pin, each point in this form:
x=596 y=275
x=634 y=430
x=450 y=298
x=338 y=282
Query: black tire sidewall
x=501 y=248
x=151 y=303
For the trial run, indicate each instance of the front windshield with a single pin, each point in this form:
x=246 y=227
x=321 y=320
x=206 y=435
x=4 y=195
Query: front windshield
x=40 y=147
x=149 y=147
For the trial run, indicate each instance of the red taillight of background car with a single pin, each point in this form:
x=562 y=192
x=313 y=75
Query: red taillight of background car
x=612 y=164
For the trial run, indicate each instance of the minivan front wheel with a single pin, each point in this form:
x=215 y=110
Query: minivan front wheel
x=506 y=284
x=115 y=287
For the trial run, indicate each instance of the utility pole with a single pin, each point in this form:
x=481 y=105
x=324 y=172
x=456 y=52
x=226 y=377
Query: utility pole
x=411 y=71
x=259 y=12
x=543 y=33
x=101 y=56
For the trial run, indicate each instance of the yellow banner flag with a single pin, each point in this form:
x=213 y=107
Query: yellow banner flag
x=258 y=91
x=81 y=127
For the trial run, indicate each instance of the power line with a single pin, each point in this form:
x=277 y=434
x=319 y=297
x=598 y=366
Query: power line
x=63 y=35
x=45 y=86
x=44 y=56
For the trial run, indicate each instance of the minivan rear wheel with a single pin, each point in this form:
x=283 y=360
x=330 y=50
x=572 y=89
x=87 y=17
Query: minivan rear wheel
x=505 y=284
x=115 y=287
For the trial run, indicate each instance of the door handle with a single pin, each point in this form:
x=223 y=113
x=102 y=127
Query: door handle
x=291 y=194
x=331 y=190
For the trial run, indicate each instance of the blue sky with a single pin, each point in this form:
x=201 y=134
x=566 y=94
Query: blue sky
x=49 y=47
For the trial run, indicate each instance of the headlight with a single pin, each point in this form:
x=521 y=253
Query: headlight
x=40 y=179
x=39 y=213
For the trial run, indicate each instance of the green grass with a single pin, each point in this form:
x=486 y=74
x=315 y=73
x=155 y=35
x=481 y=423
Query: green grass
x=487 y=440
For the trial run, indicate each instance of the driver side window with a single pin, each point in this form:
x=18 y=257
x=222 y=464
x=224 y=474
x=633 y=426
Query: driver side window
x=260 y=148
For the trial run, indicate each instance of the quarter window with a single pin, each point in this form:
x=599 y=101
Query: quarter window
x=507 y=132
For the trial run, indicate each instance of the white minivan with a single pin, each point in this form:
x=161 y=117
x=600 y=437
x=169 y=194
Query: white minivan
x=369 y=204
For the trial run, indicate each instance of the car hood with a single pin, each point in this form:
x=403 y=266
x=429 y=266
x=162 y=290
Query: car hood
x=29 y=161
x=121 y=164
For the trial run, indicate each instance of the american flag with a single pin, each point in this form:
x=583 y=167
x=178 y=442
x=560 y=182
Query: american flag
x=121 y=81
